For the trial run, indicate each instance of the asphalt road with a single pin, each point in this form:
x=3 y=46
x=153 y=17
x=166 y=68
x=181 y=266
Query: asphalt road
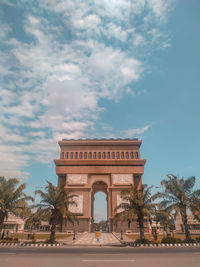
x=99 y=256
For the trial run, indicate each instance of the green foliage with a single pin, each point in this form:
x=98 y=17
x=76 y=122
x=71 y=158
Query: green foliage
x=142 y=241
x=178 y=196
x=190 y=241
x=165 y=219
x=100 y=226
x=12 y=198
x=137 y=205
x=171 y=240
x=55 y=202
x=198 y=239
x=34 y=220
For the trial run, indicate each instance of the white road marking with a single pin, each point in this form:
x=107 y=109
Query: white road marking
x=108 y=260
x=113 y=254
x=7 y=253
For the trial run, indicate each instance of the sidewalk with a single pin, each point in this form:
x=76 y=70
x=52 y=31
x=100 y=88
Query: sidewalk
x=90 y=239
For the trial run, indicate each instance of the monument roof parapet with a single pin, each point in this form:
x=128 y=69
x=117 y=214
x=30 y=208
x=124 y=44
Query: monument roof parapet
x=100 y=142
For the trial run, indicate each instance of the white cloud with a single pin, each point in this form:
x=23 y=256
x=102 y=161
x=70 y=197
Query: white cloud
x=6 y=135
x=161 y=8
x=139 y=40
x=36 y=134
x=136 y=131
x=51 y=85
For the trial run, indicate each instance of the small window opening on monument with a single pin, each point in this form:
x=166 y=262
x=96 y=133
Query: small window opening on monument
x=80 y=155
x=76 y=155
x=104 y=155
x=62 y=155
x=99 y=155
x=136 y=155
x=117 y=155
x=95 y=155
x=113 y=155
x=66 y=155
x=71 y=155
x=90 y=155
x=127 y=155
x=122 y=155
x=85 y=155
x=132 y=155
x=108 y=155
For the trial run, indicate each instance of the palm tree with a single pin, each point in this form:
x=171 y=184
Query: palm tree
x=165 y=219
x=34 y=219
x=56 y=201
x=12 y=198
x=137 y=204
x=125 y=216
x=179 y=197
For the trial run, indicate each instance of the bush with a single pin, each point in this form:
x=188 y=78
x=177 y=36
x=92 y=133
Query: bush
x=171 y=240
x=142 y=241
x=191 y=240
x=7 y=238
x=49 y=242
x=198 y=239
x=156 y=242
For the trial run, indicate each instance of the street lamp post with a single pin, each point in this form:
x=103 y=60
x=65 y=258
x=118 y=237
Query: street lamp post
x=74 y=237
x=121 y=235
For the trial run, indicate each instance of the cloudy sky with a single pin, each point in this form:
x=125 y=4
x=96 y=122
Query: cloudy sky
x=99 y=69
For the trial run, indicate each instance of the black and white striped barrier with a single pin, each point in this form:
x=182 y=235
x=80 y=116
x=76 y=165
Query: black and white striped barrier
x=28 y=245
x=132 y=244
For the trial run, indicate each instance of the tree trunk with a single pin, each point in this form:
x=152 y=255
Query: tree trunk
x=141 y=226
x=185 y=223
x=2 y=218
x=52 y=234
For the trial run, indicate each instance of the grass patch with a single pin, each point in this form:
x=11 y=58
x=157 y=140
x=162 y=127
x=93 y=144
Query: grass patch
x=150 y=236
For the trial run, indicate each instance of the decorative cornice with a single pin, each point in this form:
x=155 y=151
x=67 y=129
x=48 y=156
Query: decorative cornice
x=99 y=142
x=100 y=162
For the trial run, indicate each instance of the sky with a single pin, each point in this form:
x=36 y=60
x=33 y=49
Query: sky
x=99 y=69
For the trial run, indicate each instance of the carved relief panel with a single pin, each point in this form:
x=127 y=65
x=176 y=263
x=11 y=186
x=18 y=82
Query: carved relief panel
x=78 y=208
x=77 y=179
x=122 y=179
x=119 y=201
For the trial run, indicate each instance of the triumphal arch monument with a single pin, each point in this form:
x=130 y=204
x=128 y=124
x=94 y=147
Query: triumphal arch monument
x=87 y=166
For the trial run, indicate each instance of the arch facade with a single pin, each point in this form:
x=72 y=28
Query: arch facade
x=89 y=166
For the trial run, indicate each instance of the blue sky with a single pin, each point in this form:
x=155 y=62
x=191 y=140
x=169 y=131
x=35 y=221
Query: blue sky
x=99 y=69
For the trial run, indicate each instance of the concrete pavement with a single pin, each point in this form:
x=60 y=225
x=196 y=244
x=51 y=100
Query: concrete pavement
x=90 y=239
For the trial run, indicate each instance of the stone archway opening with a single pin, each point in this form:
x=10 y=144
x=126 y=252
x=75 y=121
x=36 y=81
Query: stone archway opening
x=99 y=206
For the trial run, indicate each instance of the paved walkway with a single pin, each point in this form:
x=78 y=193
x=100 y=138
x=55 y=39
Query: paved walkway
x=89 y=239
x=125 y=237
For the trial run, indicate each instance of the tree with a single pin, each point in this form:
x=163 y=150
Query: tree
x=137 y=204
x=165 y=219
x=56 y=201
x=12 y=198
x=179 y=197
x=35 y=218
x=125 y=216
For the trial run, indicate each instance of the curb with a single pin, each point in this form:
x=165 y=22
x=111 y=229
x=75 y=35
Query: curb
x=28 y=245
x=132 y=244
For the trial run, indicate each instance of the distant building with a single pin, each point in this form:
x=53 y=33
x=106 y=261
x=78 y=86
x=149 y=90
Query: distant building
x=44 y=226
x=194 y=225
x=14 y=223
